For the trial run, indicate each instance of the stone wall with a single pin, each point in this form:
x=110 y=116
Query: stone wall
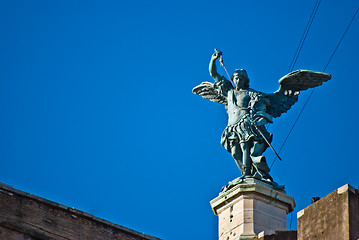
x=335 y=216
x=25 y=216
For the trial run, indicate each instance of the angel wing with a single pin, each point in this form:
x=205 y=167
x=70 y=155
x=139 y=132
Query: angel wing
x=209 y=91
x=290 y=86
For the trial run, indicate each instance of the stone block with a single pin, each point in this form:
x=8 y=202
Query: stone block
x=250 y=208
x=277 y=235
x=335 y=216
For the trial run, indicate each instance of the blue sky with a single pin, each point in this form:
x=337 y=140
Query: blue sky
x=98 y=113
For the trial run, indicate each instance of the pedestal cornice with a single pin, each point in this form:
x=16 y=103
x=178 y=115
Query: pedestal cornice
x=252 y=185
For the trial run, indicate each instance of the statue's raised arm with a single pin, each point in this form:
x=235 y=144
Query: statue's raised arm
x=216 y=92
x=221 y=83
x=213 y=68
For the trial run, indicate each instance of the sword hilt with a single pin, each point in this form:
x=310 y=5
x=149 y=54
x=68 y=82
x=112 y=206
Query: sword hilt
x=219 y=53
x=221 y=61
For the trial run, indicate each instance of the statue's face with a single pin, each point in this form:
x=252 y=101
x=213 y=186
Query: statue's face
x=238 y=81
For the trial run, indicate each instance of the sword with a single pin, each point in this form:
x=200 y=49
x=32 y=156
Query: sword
x=266 y=140
x=221 y=61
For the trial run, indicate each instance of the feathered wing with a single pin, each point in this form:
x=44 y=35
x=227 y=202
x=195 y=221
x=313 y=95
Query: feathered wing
x=208 y=91
x=290 y=86
x=280 y=102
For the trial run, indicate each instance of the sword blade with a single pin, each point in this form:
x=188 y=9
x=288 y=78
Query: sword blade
x=266 y=140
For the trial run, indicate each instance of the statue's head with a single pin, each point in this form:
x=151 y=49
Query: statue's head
x=240 y=78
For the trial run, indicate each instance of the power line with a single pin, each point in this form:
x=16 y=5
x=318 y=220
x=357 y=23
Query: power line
x=294 y=60
x=291 y=66
x=340 y=41
x=295 y=122
x=304 y=36
x=311 y=93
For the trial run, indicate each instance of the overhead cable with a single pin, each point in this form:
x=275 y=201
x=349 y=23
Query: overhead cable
x=311 y=93
x=295 y=57
x=304 y=36
x=340 y=41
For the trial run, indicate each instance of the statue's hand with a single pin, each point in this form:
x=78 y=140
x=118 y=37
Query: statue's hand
x=216 y=55
x=259 y=122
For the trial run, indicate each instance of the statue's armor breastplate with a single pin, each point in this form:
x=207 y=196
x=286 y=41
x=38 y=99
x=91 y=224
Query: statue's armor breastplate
x=238 y=102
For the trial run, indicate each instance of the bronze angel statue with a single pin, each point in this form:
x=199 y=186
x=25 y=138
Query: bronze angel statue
x=246 y=136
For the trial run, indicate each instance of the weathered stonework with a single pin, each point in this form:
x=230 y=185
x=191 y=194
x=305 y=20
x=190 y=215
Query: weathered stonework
x=250 y=208
x=335 y=216
x=25 y=216
x=277 y=235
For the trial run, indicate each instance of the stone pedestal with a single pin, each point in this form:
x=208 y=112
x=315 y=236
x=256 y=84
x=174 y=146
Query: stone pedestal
x=250 y=208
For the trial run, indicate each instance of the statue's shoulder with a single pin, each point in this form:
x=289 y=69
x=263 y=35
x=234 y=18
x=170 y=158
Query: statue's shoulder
x=255 y=93
x=223 y=85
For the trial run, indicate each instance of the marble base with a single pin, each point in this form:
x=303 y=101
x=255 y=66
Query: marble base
x=250 y=208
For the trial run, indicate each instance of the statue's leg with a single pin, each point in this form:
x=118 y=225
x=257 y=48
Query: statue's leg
x=247 y=162
x=259 y=161
x=258 y=148
x=237 y=155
